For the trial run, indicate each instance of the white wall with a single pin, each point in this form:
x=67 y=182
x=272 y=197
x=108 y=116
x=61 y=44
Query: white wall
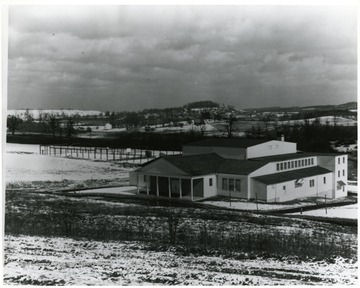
x=244 y=186
x=276 y=192
x=209 y=191
x=226 y=152
x=271 y=148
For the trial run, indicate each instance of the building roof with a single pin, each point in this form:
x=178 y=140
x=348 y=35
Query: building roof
x=228 y=142
x=291 y=156
x=196 y=164
x=240 y=167
x=291 y=175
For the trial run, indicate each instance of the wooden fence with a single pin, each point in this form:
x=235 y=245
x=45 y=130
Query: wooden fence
x=129 y=155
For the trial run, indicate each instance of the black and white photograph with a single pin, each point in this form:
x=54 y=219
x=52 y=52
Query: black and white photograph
x=173 y=145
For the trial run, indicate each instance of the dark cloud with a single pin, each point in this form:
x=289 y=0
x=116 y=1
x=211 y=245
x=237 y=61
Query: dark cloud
x=134 y=57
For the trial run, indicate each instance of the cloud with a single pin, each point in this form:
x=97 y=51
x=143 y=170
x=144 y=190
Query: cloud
x=146 y=56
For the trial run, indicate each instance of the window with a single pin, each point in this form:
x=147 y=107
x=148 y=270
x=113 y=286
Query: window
x=306 y=162
x=295 y=164
x=338 y=160
x=277 y=167
x=302 y=162
x=284 y=187
x=292 y=164
x=210 y=181
x=145 y=178
x=299 y=163
x=344 y=172
x=298 y=183
x=312 y=183
x=281 y=166
x=312 y=161
x=344 y=159
x=224 y=184
x=339 y=173
x=231 y=185
x=285 y=165
x=237 y=185
x=324 y=180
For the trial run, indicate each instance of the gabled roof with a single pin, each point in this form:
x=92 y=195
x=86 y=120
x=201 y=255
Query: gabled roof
x=240 y=167
x=203 y=164
x=228 y=142
x=196 y=164
x=291 y=175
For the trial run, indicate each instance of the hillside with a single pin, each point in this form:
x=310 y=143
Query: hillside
x=35 y=113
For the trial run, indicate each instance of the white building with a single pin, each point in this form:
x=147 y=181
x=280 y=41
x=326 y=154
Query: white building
x=272 y=171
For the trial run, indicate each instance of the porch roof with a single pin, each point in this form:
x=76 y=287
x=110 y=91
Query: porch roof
x=291 y=175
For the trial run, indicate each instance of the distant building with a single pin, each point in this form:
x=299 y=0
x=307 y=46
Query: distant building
x=271 y=171
x=107 y=126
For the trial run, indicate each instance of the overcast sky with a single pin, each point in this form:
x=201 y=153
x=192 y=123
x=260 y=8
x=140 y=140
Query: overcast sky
x=129 y=58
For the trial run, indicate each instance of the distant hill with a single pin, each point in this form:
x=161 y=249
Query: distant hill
x=202 y=104
x=345 y=106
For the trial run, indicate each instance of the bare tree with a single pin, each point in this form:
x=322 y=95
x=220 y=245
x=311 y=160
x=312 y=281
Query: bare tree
x=13 y=123
x=53 y=122
x=229 y=125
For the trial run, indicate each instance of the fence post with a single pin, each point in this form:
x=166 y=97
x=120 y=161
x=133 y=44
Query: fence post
x=107 y=153
x=325 y=205
x=257 y=206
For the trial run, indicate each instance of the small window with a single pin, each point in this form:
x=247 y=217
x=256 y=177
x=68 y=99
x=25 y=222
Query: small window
x=339 y=173
x=338 y=160
x=277 y=167
x=344 y=159
x=312 y=183
x=285 y=165
x=296 y=164
x=302 y=163
x=231 y=185
x=324 y=180
x=281 y=166
x=238 y=185
x=210 y=181
x=306 y=162
x=292 y=164
x=312 y=161
x=284 y=187
x=343 y=188
x=224 y=184
x=343 y=172
x=299 y=163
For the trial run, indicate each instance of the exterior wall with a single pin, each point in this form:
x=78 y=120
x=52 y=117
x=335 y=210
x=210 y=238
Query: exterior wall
x=271 y=148
x=133 y=178
x=226 y=152
x=258 y=190
x=243 y=193
x=209 y=191
x=277 y=193
x=337 y=164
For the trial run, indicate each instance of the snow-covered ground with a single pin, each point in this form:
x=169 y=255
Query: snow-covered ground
x=345 y=212
x=63 y=261
x=126 y=190
x=23 y=163
x=244 y=205
x=340 y=121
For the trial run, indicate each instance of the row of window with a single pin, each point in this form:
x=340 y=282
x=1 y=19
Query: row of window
x=294 y=164
x=343 y=172
x=230 y=184
x=342 y=158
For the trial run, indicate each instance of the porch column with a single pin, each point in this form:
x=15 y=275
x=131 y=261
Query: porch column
x=137 y=183
x=191 y=189
x=180 y=188
x=169 y=187
x=157 y=186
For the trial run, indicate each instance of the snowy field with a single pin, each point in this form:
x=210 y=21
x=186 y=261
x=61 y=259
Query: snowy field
x=62 y=261
x=345 y=212
x=24 y=163
x=251 y=206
